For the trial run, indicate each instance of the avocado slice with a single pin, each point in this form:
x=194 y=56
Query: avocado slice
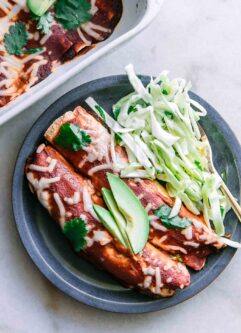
x=39 y=7
x=119 y=218
x=108 y=221
x=137 y=227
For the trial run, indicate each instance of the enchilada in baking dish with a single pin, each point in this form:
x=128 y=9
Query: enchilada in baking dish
x=32 y=46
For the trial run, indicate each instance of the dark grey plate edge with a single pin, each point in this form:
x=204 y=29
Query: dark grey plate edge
x=54 y=279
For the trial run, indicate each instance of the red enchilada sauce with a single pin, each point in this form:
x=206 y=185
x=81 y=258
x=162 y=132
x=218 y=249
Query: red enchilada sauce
x=19 y=73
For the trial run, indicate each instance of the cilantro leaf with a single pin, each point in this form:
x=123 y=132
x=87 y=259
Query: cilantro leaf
x=72 y=13
x=175 y=222
x=72 y=137
x=75 y=230
x=44 y=22
x=31 y=51
x=16 y=38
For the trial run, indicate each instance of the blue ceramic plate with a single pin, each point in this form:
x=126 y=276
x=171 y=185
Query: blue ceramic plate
x=49 y=249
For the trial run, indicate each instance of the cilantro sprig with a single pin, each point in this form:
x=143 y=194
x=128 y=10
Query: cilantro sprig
x=72 y=137
x=72 y=13
x=175 y=222
x=75 y=230
x=16 y=39
x=44 y=22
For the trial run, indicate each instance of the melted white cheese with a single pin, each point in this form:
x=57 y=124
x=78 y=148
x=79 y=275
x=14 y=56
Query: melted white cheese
x=87 y=28
x=101 y=237
x=158 y=226
x=40 y=148
x=40 y=168
x=73 y=200
x=147 y=281
x=99 y=168
x=148 y=207
x=82 y=36
x=61 y=209
x=162 y=239
x=193 y=244
x=158 y=280
x=42 y=183
x=175 y=248
x=187 y=232
x=94 y=8
x=88 y=204
x=148 y=271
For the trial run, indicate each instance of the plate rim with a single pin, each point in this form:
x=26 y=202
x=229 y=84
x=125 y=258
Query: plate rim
x=39 y=260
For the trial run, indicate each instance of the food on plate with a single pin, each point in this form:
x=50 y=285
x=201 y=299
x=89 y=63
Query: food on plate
x=133 y=192
x=36 y=37
x=191 y=244
x=69 y=197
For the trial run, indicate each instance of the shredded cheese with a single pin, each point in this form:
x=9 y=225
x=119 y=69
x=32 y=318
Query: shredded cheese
x=175 y=248
x=87 y=28
x=99 y=168
x=101 y=237
x=148 y=271
x=193 y=244
x=73 y=200
x=88 y=204
x=148 y=207
x=147 y=281
x=61 y=209
x=187 y=232
x=40 y=148
x=82 y=36
x=163 y=238
x=158 y=226
x=40 y=168
x=158 y=280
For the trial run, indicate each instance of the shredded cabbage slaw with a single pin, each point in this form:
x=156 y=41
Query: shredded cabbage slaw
x=158 y=126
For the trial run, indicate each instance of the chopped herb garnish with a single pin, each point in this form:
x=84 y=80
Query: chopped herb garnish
x=72 y=137
x=175 y=222
x=75 y=230
x=31 y=51
x=101 y=111
x=16 y=38
x=44 y=22
x=72 y=13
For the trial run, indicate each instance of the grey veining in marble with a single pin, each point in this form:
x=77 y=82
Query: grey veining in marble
x=196 y=39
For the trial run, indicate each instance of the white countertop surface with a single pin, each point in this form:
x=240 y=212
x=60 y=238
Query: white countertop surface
x=196 y=39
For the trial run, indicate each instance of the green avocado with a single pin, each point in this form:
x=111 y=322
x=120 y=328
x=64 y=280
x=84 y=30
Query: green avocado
x=137 y=227
x=108 y=221
x=119 y=218
x=39 y=7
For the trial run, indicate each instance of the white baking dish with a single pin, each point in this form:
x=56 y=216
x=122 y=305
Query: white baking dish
x=137 y=14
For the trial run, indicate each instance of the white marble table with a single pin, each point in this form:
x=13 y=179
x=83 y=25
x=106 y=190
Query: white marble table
x=197 y=39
